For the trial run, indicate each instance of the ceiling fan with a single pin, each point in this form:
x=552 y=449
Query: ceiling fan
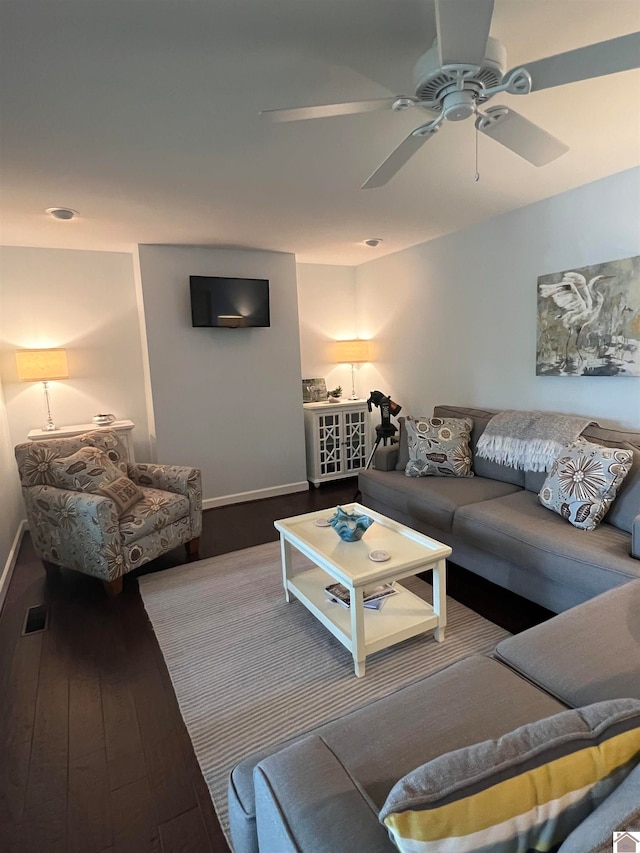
x=463 y=70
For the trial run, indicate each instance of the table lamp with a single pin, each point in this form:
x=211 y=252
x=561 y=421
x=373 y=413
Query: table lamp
x=42 y=365
x=352 y=352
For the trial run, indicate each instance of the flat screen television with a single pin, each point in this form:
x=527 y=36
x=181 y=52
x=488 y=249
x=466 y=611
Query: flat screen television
x=231 y=303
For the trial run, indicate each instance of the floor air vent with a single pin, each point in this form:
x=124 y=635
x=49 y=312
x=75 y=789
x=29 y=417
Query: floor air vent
x=36 y=619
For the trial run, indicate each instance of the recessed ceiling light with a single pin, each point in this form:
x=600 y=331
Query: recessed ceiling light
x=61 y=212
x=373 y=242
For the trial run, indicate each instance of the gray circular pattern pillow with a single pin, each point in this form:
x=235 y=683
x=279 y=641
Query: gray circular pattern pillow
x=583 y=482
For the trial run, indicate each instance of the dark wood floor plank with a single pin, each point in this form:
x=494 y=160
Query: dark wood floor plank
x=45 y=828
x=20 y=691
x=170 y=783
x=184 y=834
x=89 y=805
x=14 y=773
x=86 y=726
x=48 y=767
x=121 y=733
x=134 y=826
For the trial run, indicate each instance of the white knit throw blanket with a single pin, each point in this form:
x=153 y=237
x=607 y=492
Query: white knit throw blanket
x=529 y=440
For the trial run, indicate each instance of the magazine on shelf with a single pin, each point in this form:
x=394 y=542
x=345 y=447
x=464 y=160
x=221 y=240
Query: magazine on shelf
x=372 y=600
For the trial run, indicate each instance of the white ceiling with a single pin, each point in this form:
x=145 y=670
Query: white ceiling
x=143 y=116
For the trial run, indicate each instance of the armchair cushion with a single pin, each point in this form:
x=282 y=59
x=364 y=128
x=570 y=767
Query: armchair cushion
x=154 y=511
x=86 y=470
x=180 y=480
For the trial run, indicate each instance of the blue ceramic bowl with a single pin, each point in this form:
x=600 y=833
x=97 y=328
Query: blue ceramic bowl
x=350 y=528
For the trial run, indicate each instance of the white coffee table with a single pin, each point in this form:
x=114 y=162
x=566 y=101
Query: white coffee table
x=364 y=631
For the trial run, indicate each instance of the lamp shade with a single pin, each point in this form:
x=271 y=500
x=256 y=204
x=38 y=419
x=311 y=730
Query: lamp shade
x=352 y=352
x=41 y=365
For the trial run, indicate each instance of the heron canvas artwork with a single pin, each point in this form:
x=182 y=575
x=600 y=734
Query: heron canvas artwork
x=589 y=321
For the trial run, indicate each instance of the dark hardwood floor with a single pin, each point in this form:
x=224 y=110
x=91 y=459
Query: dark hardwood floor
x=94 y=755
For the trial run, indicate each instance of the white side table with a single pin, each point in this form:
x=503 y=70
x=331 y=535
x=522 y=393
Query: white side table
x=124 y=429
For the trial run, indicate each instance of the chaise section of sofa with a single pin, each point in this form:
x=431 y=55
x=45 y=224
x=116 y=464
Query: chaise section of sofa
x=322 y=792
x=497 y=527
x=280 y=802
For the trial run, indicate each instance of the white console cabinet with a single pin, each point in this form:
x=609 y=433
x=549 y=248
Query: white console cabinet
x=337 y=439
x=124 y=429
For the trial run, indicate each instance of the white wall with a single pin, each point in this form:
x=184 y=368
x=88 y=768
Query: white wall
x=11 y=507
x=328 y=312
x=227 y=401
x=85 y=302
x=455 y=318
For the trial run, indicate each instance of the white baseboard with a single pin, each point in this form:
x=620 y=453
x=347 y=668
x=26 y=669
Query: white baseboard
x=10 y=565
x=256 y=495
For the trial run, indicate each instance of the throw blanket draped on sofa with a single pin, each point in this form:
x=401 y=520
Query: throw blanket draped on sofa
x=529 y=440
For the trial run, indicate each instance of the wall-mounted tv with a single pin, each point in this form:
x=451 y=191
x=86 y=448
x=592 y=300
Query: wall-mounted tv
x=231 y=303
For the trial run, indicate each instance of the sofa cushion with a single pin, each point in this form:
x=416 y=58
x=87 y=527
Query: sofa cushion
x=586 y=654
x=155 y=510
x=583 y=482
x=526 y=790
x=83 y=471
x=519 y=529
x=383 y=741
x=439 y=447
x=430 y=500
x=626 y=505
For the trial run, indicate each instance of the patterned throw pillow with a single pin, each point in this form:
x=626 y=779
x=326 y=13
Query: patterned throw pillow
x=84 y=471
x=439 y=447
x=528 y=790
x=123 y=492
x=583 y=482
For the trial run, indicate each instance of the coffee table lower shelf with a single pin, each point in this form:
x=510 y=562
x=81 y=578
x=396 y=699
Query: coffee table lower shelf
x=402 y=616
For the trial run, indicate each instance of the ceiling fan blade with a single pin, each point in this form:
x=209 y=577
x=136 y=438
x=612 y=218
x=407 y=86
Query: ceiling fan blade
x=594 y=60
x=395 y=161
x=522 y=136
x=327 y=110
x=463 y=29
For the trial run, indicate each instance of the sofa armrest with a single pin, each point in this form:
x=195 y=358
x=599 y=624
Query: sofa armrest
x=306 y=802
x=385 y=458
x=93 y=544
x=179 y=479
x=635 y=538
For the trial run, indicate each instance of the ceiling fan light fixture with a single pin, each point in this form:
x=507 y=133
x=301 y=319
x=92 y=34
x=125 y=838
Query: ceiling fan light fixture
x=457 y=106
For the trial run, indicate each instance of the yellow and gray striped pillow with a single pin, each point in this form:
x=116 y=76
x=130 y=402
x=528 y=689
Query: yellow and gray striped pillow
x=525 y=791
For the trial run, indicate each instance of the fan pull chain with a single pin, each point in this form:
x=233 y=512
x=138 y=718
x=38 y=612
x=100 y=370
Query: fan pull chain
x=477 y=177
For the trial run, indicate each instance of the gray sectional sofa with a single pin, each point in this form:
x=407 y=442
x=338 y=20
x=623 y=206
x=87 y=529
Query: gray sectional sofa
x=323 y=792
x=497 y=527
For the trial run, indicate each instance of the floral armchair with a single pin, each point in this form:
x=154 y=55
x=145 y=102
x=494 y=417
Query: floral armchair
x=92 y=510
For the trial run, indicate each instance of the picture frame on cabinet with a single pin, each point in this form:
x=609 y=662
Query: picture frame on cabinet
x=314 y=390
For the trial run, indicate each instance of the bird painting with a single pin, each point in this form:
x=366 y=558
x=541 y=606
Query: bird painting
x=579 y=304
x=586 y=321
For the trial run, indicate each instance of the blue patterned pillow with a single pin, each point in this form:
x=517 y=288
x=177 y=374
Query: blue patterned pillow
x=583 y=482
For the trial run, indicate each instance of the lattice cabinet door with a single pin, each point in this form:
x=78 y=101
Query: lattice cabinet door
x=330 y=443
x=355 y=440
x=337 y=439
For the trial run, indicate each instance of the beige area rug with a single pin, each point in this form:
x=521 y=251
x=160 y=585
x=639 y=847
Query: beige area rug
x=250 y=670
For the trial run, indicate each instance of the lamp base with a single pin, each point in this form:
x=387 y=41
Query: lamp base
x=49 y=427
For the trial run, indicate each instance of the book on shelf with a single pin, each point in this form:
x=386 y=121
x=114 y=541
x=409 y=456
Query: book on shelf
x=372 y=600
